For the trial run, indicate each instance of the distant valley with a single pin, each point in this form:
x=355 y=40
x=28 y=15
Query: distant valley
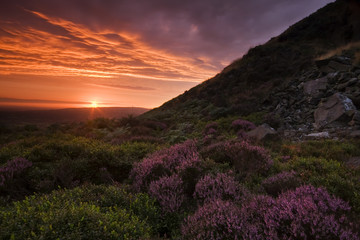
x=66 y=115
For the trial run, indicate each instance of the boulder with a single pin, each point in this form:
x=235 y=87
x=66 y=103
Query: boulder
x=314 y=87
x=336 y=108
x=318 y=135
x=263 y=132
x=333 y=64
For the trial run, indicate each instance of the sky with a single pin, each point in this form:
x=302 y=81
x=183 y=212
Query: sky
x=128 y=53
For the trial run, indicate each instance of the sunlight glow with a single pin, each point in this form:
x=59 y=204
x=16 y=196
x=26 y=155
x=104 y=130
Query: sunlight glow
x=94 y=104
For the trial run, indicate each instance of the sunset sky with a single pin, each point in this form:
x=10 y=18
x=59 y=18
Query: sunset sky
x=141 y=53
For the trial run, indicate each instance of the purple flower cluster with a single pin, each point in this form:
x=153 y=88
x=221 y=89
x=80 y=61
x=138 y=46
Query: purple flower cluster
x=281 y=182
x=309 y=213
x=210 y=132
x=161 y=174
x=248 y=158
x=304 y=213
x=169 y=192
x=243 y=125
x=12 y=168
x=165 y=163
x=215 y=220
x=222 y=186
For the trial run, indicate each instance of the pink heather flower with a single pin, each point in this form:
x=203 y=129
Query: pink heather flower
x=217 y=219
x=281 y=182
x=169 y=192
x=12 y=168
x=248 y=158
x=309 y=213
x=243 y=125
x=165 y=162
x=222 y=186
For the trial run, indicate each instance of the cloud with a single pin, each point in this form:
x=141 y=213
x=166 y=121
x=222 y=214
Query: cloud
x=136 y=88
x=170 y=44
x=18 y=100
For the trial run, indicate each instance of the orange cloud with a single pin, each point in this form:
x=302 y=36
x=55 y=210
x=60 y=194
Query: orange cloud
x=70 y=49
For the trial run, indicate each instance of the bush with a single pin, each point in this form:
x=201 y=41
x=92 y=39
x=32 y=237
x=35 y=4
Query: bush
x=281 y=182
x=222 y=186
x=215 y=220
x=82 y=213
x=216 y=152
x=331 y=174
x=244 y=125
x=248 y=158
x=309 y=213
x=169 y=192
x=173 y=160
x=13 y=168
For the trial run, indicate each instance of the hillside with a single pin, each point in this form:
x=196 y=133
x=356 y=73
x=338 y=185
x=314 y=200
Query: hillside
x=248 y=84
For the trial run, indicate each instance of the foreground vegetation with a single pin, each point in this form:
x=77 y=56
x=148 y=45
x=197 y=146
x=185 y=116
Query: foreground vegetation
x=143 y=179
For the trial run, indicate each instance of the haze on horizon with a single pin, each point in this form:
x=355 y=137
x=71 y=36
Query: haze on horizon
x=58 y=54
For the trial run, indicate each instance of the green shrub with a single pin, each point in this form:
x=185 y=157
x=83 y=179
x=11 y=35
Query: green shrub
x=330 y=149
x=331 y=174
x=91 y=212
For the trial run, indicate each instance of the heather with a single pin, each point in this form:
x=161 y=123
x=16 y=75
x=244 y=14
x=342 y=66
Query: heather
x=109 y=186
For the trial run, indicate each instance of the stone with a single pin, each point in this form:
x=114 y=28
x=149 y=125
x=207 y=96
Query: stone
x=355 y=134
x=335 y=108
x=336 y=66
x=337 y=63
x=314 y=87
x=318 y=135
x=263 y=132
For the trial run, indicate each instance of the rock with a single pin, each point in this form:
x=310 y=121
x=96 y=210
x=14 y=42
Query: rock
x=263 y=132
x=355 y=134
x=318 y=135
x=336 y=63
x=336 y=66
x=335 y=108
x=314 y=87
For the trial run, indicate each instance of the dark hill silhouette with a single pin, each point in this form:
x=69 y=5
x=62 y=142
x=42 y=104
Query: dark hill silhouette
x=67 y=115
x=245 y=85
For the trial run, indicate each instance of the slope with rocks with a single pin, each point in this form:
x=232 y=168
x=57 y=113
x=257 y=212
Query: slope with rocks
x=274 y=70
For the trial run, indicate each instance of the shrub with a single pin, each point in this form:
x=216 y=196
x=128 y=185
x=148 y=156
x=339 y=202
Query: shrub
x=281 y=182
x=169 y=192
x=248 y=158
x=13 y=168
x=165 y=162
x=253 y=224
x=222 y=186
x=215 y=220
x=331 y=174
x=309 y=213
x=92 y=212
x=216 y=152
x=241 y=124
x=210 y=128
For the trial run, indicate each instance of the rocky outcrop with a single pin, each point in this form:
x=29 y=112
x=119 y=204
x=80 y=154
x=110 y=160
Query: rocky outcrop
x=338 y=107
x=326 y=97
x=262 y=133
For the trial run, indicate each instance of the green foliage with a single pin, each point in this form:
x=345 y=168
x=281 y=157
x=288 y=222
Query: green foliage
x=330 y=149
x=91 y=212
x=68 y=161
x=255 y=117
x=333 y=175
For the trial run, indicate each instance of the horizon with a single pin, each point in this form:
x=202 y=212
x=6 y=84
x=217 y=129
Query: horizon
x=75 y=54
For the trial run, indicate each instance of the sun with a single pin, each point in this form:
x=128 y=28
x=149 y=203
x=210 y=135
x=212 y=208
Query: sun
x=94 y=104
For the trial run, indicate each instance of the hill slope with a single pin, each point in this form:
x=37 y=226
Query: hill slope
x=247 y=84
